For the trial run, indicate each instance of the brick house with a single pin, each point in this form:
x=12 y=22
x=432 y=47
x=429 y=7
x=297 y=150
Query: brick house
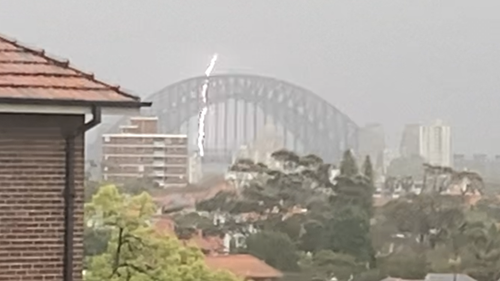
x=43 y=106
x=246 y=267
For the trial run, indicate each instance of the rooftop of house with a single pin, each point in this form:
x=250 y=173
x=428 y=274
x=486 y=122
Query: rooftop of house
x=189 y=195
x=437 y=277
x=448 y=277
x=30 y=76
x=164 y=225
x=399 y=279
x=245 y=266
x=208 y=244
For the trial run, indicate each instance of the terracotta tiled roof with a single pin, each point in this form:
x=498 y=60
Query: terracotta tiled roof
x=189 y=196
x=245 y=266
x=164 y=225
x=210 y=244
x=28 y=75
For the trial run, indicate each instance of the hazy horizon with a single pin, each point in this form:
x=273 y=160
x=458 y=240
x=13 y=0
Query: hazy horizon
x=389 y=62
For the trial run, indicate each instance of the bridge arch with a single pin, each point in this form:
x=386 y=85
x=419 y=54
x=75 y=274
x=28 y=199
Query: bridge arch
x=319 y=126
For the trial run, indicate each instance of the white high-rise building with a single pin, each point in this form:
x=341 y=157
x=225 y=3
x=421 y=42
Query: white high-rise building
x=435 y=143
x=432 y=142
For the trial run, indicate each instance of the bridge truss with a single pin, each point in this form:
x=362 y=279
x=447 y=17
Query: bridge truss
x=240 y=106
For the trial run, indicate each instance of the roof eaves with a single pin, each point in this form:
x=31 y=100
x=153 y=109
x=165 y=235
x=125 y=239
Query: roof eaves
x=66 y=64
x=117 y=104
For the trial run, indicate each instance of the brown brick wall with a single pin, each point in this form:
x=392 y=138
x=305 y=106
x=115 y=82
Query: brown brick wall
x=32 y=173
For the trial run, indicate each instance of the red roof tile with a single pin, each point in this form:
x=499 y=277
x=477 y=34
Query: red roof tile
x=29 y=75
x=164 y=225
x=190 y=195
x=210 y=244
x=246 y=266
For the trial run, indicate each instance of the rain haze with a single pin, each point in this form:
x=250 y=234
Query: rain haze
x=284 y=140
x=391 y=62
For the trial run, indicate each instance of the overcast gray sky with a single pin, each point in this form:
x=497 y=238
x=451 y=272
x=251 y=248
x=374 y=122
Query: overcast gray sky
x=387 y=61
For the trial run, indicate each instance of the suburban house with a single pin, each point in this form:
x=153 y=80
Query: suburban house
x=217 y=257
x=247 y=267
x=44 y=102
x=437 y=277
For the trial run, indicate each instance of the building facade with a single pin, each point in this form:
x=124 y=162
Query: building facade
x=435 y=144
x=411 y=141
x=432 y=142
x=43 y=108
x=138 y=151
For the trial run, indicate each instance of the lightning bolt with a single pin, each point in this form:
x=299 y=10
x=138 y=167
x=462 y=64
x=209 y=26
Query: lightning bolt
x=204 y=110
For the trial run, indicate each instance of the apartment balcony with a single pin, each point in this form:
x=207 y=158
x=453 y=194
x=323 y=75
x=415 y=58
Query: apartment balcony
x=159 y=164
x=159 y=144
x=158 y=173
x=160 y=153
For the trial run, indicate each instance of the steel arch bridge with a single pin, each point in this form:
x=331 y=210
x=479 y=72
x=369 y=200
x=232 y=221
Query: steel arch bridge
x=309 y=123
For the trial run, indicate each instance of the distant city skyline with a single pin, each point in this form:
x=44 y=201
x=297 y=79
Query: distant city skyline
x=390 y=62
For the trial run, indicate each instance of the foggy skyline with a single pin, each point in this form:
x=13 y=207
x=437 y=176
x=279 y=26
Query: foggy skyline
x=388 y=62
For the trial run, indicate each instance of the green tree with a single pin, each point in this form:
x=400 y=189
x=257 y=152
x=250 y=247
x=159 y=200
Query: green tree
x=95 y=241
x=311 y=161
x=484 y=244
x=289 y=158
x=407 y=166
x=325 y=265
x=368 y=171
x=275 y=248
x=314 y=237
x=186 y=225
x=490 y=206
x=137 y=252
x=348 y=166
x=350 y=231
x=429 y=218
x=406 y=265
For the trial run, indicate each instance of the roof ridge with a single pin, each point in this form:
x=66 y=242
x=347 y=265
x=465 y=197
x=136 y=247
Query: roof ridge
x=64 y=63
x=53 y=87
x=23 y=62
x=45 y=74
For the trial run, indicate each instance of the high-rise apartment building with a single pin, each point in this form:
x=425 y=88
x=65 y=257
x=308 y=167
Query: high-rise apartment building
x=410 y=141
x=435 y=142
x=139 y=151
x=432 y=142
